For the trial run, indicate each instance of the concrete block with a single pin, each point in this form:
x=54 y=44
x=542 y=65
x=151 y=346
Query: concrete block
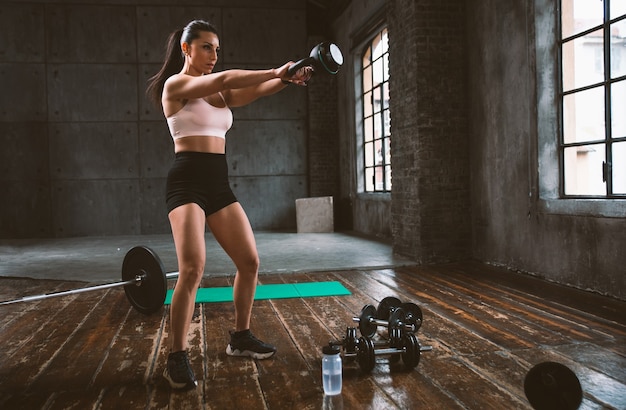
x=93 y=150
x=91 y=34
x=156 y=149
x=260 y=42
x=315 y=214
x=16 y=20
x=92 y=92
x=267 y=148
x=96 y=207
x=269 y=199
x=24 y=153
x=23 y=92
x=156 y=22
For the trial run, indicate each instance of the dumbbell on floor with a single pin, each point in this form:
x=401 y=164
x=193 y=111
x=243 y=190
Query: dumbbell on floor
x=408 y=348
x=368 y=321
x=413 y=313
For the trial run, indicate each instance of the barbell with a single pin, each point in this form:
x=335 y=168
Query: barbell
x=143 y=278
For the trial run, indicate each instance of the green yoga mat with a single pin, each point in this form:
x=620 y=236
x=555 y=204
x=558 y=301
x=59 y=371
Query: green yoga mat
x=277 y=291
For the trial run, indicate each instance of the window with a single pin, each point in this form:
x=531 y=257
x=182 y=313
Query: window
x=592 y=149
x=376 y=129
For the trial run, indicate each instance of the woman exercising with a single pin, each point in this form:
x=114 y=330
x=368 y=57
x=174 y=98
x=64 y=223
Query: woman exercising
x=196 y=103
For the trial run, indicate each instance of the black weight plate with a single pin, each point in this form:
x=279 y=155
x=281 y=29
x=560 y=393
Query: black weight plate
x=148 y=296
x=411 y=356
x=413 y=315
x=386 y=306
x=551 y=385
x=396 y=319
x=365 y=354
x=350 y=341
x=367 y=328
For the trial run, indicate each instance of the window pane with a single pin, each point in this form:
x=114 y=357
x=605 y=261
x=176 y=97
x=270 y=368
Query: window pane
x=618 y=109
x=378 y=171
x=583 y=170
x=367 y=57
x=378 y=71
x=387 y=123
x=367 y=104
x=619 y=168
x=367 y=78
x=378 y=126
x=378 y=99
x=369 y=129
x=369 y=179
x=387 y=151
x=618 y=8
x=618 y=48
x=386 y=67
x=378 y=47
x=583 y=116
x=580 y=15
x=583 y=61
x=388 y=177
x=385 y=41
x=385 y=95
x=369 y=154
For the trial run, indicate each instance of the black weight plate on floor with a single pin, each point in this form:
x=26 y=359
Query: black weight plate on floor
x=367 y=329
x=350 y=341
x=551 y=385
x=386 y=306
x=396 y=319
x=413 y=315
x=411 y=356
x=365 y=354
x=149 y=296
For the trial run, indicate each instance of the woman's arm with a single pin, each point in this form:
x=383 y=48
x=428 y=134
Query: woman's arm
x=180 y=86
x=239 y=97
x=243 y=96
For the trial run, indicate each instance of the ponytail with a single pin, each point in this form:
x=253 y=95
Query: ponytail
x=174 y=59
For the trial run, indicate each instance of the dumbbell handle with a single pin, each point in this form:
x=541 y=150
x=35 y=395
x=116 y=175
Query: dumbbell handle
x=393 y=350
x=378 y=322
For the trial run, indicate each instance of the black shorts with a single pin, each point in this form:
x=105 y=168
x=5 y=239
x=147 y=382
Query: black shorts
x=200 y=178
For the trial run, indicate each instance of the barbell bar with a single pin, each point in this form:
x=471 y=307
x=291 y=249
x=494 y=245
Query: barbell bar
x=143 y=278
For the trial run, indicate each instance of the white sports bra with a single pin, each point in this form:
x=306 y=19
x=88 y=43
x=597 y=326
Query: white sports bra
x=198 y=117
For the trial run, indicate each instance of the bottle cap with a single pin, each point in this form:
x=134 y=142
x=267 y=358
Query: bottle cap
x=331 y=349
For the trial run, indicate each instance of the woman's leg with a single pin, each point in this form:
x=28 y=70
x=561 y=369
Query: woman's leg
x=188 y=228
x=231 y=228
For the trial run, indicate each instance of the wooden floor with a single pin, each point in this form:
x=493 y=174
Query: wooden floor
x=487 y=326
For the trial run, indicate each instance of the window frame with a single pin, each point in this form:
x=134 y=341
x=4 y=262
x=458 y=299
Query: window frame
x=361 y=118
x=546 y=188
x=605 y=84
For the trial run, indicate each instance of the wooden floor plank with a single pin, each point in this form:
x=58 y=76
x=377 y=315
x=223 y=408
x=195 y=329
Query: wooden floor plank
x=487 y=328
x=534 y=307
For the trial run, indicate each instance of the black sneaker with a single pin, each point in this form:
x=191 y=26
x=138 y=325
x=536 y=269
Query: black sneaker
x=245 y=344
x=178 y=371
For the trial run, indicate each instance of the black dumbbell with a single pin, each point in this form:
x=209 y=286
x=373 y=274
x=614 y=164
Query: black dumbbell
x=368 y=322
x=409 y=349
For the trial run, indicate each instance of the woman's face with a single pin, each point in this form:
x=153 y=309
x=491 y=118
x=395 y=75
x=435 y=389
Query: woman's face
x=203 y=52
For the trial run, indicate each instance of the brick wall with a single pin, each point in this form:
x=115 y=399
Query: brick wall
x=430 y=218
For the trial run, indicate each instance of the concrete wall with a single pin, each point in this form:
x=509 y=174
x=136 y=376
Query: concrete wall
x=518 y=220
x=84 y=153
x=474 y=128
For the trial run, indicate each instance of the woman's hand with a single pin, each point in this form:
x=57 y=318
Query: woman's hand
x=299 y=78
x=302 y=76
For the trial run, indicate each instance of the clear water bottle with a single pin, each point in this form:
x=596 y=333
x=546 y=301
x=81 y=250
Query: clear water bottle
x=331 y=370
